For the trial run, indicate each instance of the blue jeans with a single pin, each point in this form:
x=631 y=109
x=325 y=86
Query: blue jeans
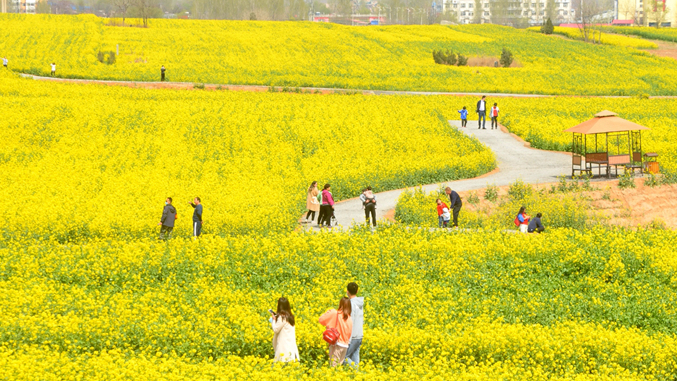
x=353 y=353
x=482 y=118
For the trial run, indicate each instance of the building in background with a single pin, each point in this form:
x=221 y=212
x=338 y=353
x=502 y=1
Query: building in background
x=648 y=12
x=530 y=12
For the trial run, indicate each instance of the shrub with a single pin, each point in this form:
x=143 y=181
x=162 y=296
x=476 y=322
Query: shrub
x=473 y=199
x=252 y=16
x=506 y=58
x=111 y=57
x=462 y=60
x=627 y=180
x=99 y=56
x=548 y=28
x=519 y=190
x=491 y=193
x=200 y=86
x=652 y=181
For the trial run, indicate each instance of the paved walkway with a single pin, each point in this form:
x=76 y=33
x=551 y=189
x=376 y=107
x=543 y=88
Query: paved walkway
x=514 y=159
x=323 y=90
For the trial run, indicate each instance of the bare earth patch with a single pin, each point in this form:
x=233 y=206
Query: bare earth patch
x=622 y=207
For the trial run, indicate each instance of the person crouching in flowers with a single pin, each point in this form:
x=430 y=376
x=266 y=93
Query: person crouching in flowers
x=522 y=220
x=284 y=338
x=341 y=321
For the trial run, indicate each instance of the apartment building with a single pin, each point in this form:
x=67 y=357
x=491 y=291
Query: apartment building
x=527 y=11
x=19 y=6
x=643 y=12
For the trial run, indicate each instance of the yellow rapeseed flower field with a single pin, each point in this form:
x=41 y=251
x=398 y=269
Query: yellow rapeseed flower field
x=604 y=38
x=328 y=55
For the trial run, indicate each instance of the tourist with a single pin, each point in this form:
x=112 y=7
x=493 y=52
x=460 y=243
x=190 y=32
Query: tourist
x=368 y=199
x=312 y=204
x=53 y=65
x=197 y=216
x=162 y=73
x=441 y=206
x=341 y=321
x=522 y=220
x=535 y=224
x=493 y=113
x=284 y=332
x=4 y=62
x=357 y=316
x=455 y=203
x=482 y=113
x=167 y=220
x=327 y=206
x=464 y=117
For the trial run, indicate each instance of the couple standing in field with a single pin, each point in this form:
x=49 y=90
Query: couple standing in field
x=169 y=216
x=343 y=334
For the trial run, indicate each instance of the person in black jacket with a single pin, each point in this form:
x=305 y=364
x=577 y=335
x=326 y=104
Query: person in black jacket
x=535 y=224
x=197 y=216
x=482 y=113
x=455 y=204
x=168 y=219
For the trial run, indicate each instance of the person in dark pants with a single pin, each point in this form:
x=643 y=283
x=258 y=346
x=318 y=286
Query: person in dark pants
x=493 y=113
x=535 y=224
x=197 y=216
x=368 y=199
x=162 y=73
x=327 y=206
x=455 y=203
x=482 y=113
x=167 y=220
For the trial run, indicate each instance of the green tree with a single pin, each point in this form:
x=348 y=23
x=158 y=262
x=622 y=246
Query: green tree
x=547 y=28
x=506 y=58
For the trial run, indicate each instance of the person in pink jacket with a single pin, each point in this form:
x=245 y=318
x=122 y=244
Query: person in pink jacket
x=340 y=320
x=327 y=207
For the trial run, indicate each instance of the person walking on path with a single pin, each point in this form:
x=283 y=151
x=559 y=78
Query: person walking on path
x=522 y=220
x=340 y=320
x=197 y=216
x=535 y=224
x=368 y=199
x=327 y=206
x=284 y=332
x=482 y=113
x=441 y=207
x=53 y=65
x=493 y=113
x=5 y=62
x=167 y=220
x=464 y=117
x=357 y=316
x=312 y=204
x=162 y=73
x=455 y=203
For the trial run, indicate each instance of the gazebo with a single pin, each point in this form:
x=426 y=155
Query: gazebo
x=606 y=141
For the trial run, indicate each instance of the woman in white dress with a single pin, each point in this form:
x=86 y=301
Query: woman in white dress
x=284 y=340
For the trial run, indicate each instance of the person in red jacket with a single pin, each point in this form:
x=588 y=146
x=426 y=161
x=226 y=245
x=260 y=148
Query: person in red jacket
x=440 y=211
x=522 y=220
x=493 y=113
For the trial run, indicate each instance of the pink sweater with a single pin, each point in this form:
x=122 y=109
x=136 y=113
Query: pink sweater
x=344 y=328
x=327 y=198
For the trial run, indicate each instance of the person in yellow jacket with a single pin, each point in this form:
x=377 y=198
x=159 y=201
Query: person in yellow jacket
x=340 y=320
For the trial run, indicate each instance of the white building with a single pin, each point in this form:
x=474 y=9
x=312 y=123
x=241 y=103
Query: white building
x=532 y=11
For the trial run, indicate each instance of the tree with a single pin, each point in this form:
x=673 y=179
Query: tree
x=547 y=28
x=122 y=6
x=588 y=10
x=506 y=58
x=657 y=12
x=477 y=16
x=146 y=9
x=550 y=10
x=43 y=7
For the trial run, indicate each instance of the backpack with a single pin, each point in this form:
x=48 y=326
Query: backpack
x=517 y=221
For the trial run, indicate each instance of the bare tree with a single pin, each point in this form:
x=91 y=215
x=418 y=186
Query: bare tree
x=146 y=9
x=629 y=9
x=122 y=6
x=588 y=10
x=657 y=11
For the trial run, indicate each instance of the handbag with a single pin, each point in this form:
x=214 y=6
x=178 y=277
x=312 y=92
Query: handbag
x=331 y=335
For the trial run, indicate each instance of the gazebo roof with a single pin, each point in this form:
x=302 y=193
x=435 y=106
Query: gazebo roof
x=604 y=122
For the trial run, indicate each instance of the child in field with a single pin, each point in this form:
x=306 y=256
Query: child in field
x=464 y=116
x=446 y=217
x=494 y=116
x=441 y=207
x=53 y=65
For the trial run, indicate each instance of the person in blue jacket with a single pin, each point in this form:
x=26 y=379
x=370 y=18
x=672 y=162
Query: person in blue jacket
x=464 y=117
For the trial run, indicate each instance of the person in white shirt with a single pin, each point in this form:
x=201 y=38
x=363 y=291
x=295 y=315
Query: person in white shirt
x=493 y=113
x=482 y=113
x=53 y=65
x=284 y=328
x=4 y=62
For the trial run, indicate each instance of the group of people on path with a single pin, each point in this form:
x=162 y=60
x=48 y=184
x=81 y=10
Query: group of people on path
x=343 y=334
x=481 y=111
x=170 y=215
x=322 y=203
